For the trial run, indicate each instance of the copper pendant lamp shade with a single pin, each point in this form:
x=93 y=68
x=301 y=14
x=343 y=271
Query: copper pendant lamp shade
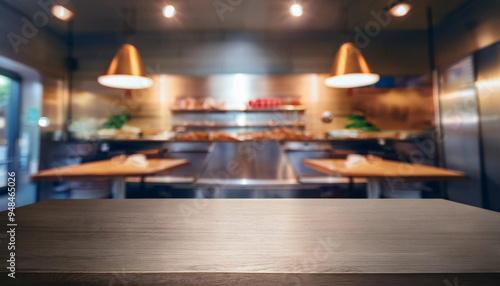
x=126 y=71
x=350 y=69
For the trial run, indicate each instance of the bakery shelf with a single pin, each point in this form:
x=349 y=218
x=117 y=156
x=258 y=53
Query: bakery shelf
x=277 y=109
x=263 y=125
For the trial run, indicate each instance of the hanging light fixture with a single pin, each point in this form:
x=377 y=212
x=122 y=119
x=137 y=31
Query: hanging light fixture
x=350 y=69
x=126 y=70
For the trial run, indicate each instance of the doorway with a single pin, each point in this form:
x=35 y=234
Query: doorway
x=9 y=124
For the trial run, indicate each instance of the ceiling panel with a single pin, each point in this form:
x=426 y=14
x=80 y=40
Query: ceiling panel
x=250 y=15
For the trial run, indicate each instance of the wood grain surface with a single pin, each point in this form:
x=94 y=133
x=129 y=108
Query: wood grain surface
x=108 y=169
x=384 y=168
x=254 y=242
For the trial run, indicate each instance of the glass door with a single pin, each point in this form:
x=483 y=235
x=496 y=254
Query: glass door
x=9 y=124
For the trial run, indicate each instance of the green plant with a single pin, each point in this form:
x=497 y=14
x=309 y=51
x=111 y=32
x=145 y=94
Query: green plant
x=360 y=123
x=116 y=121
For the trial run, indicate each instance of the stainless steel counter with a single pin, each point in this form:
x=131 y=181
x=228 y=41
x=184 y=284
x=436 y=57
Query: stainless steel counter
x=247 y=161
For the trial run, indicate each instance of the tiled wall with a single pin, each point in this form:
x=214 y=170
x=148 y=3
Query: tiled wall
x=388 y=108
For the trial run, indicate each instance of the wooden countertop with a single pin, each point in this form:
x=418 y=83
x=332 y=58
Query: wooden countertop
x=254 y=242
x=384 y=168
x=108 y=169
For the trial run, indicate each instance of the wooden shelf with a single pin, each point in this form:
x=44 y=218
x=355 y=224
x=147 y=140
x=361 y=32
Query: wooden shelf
x=298 y=124
x=277 y=109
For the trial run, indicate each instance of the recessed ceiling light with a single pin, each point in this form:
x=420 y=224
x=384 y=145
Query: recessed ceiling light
x=169 y=11
x=400 y=10
x=62 y=13
x=296 y=10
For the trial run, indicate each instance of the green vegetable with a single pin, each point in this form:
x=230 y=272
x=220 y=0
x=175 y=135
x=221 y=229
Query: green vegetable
x=116 y=121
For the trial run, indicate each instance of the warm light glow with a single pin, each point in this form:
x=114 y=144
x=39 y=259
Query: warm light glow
x=125 y=81
x=400 y=10
x=43 y=122
x=296 y=10
x=352 y=80
x=62 y=13
x=169 y=11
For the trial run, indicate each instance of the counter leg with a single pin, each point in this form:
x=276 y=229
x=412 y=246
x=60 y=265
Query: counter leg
x=38 y=189
x=118 y=189
x=373 y=188
x=351 y=185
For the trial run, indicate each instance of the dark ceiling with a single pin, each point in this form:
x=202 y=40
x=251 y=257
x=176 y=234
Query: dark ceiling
x=250 y=15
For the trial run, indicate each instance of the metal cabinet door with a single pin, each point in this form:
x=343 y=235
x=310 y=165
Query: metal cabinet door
x=488 y=86
x=460 y=131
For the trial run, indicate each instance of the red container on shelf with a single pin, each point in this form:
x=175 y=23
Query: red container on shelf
x=265 y=103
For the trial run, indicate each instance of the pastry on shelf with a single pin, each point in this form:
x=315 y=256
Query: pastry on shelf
x=223 y=137
x=276 y=134
x=189 y=103
x=193 y=136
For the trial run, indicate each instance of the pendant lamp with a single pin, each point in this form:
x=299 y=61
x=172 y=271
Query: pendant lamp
x=126 y=71
x=350 y=69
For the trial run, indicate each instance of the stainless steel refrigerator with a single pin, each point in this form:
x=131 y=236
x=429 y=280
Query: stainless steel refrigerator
x=469 y=99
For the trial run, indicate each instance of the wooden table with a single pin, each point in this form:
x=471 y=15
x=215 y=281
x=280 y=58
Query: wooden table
x=108 y=169
x=378 y=171
x=254 y=242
